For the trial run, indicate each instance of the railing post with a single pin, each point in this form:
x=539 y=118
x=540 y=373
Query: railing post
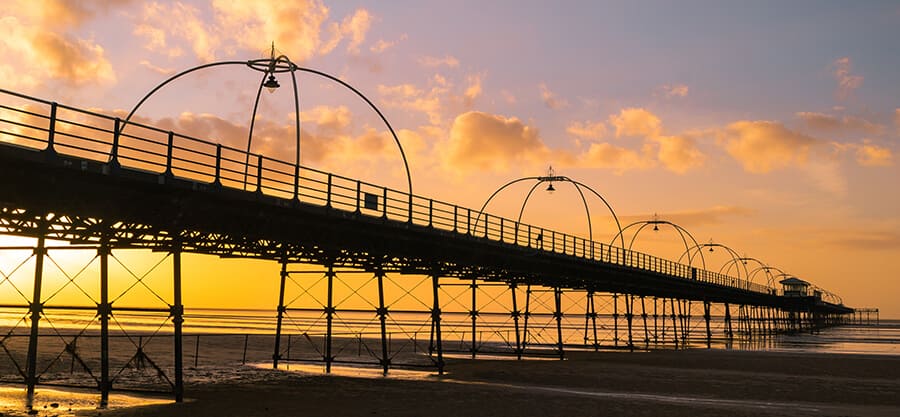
x=169 y=147
x=430 y=212
x=455 y=214
x=51 y=131
x=218 y=180
x=384 y=206
x=358 y=193
x=328 y=194
x=296 y=182
x=259 y=173
x=501 y=230
x=469 y=221
x=114 y=151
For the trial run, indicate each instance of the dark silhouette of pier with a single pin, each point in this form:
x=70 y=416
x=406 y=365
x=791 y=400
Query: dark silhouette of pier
x=74 y=176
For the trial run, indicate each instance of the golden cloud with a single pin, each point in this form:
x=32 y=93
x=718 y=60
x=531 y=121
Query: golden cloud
x=869 y=154
x=492 y=142
x=587 y=129
x=635 y=122
x=295 y=27
x=617 y=158
x=763 y=146
x=36 y=42
x=695 y=218
x=679 y=153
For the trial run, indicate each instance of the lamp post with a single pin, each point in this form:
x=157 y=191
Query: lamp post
x=269 y=67
x=656 y=222
x=550 y=178
x=711 y=247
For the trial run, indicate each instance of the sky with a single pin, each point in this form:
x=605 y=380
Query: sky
x=769 y=127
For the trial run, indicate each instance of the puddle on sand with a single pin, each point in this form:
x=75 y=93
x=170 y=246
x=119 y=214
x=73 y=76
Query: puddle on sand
x=64 y=403
x=353 y=371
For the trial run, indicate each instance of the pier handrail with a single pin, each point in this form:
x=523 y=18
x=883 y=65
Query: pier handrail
x=54 y=128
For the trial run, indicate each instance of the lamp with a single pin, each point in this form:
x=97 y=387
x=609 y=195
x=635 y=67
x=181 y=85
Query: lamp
x=271 y=84
x=550 y=188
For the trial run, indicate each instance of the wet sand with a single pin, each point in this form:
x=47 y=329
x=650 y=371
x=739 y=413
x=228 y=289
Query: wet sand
x=688 y=383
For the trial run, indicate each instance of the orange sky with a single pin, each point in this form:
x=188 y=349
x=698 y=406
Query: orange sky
x=770 y=128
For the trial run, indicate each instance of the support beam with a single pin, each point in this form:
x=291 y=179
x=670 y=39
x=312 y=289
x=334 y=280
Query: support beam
x=281 y=309
x=473 y=313
x=525 y=336
x=615 y=319
x=728 y=330
x=103 y=311
x=178 y=320
x=594 y=320
x=329 y=317
x=36 y=309
x=629 y=309
x=382 y=317
x=515 y=316
x=706 y=316
x=644 y=317
x=557 y=298
x=436 y=320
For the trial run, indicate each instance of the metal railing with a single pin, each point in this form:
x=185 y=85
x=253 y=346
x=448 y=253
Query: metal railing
x=55 y=128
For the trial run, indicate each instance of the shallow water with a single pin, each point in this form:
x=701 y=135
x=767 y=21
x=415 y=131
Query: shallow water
x=64 y=403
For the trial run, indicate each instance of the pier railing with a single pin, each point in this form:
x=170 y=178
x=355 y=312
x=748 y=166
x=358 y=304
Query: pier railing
x=55 y=128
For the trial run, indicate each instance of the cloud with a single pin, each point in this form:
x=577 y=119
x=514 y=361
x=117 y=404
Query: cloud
x=587 y=130
x=551 y=100
x=674 y=90
x=38 y=45
x=764 y=146
x=382 y=45
x=635 y=122
x=296 y=28
x=473 y=90
x=829 y=123
x=434 y=62
x=617 y=158
x=865 y=240
x=159 y=70
x=335 y=119
x=489 y=142
x=679 y=153
x=871 y=155
x=847 y=82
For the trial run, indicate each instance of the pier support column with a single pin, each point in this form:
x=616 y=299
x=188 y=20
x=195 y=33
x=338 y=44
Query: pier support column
x=474 y=314
x=655 y=317
x=515 y=316
x=615 y=319
x=728 y=330
x=672 y=303
x=280 y=318
x=382 y=317
x=329 y=316
x=644 y=317
x=629 y=308
x=36 y=309
x=594 y=320
x=557 y=298
x=178 y=321
x=527 y=315
x=103 y=311
x=706 y=316
x=436 y=320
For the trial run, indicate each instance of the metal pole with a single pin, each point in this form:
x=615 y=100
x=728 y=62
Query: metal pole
x=382 y=317
x=36 y=308
x=655 y=317
x=281 y=308
x=557 y=297
x=728 y=329
x=515 y=316
x=629 y=309
x=708 y=330
x=527 y=314
x=672 y=303
x=329 y=317
x=474 y=315
x=644 y=316
x=177 y=320
x=616 y=319
x=104 y=310
x=436 y=320
x=594 y=322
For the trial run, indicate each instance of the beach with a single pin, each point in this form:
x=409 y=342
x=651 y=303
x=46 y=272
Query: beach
x=681 y=383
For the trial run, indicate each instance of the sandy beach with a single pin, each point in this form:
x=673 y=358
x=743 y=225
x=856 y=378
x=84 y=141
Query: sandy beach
x=688 y=383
